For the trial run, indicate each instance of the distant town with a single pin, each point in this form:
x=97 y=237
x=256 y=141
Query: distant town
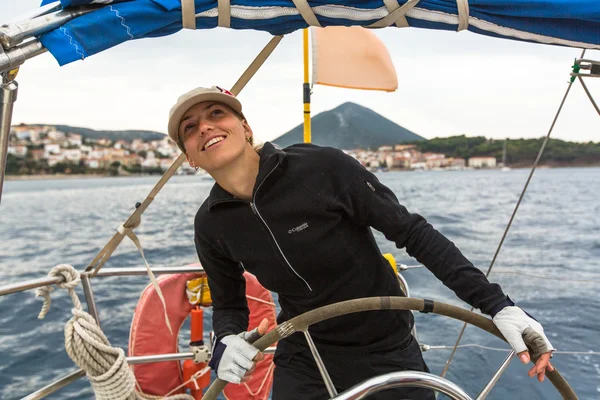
x=46 y=150
x=43 y=150
x=407 y=157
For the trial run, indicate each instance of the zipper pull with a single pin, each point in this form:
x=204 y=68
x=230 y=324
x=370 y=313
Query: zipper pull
x=253 y=208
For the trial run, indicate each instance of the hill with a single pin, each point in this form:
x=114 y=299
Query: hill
x=127 y=135
x=519 y=152
x=350 y=126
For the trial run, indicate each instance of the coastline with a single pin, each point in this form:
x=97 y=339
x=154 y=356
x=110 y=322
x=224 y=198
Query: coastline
x=52 y=177
x=91 y=176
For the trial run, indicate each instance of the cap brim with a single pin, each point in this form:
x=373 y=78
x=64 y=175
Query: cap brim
x=183 y=107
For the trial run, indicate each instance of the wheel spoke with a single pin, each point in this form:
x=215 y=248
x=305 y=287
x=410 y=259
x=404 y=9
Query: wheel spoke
x=486 y=390
x=320 y=365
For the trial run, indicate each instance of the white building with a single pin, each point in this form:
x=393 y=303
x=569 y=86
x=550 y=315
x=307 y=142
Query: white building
x=434 y=160
x=93 y=163
x=55 y=135
x=482 y=162
x=51 y=148
x=165 y=163
x=98 y=153
x=138 y=145
x=72 y=155
x=22 y=135
x=75 y=140
x=18 y=151
x=54 y=159
x=150 y=163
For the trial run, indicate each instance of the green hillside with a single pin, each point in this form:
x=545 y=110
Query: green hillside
x=519 y=152
x=126 y=135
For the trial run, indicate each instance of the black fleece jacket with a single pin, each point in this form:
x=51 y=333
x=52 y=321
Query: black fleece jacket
x=307 y=235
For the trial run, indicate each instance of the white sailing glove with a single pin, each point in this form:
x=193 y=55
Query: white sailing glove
x=233 y=356
x=521 y=331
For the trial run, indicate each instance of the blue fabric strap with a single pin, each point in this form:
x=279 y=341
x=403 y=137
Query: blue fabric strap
x=217 y=352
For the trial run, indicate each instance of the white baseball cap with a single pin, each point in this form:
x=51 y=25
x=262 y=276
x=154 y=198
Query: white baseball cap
x=193 y=97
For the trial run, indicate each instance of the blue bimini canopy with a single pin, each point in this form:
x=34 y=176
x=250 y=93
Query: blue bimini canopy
x=572 y=23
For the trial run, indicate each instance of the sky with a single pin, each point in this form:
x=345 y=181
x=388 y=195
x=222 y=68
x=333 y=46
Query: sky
x=449 y=84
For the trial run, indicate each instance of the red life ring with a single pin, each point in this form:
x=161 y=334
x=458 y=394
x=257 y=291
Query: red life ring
x=149 y=335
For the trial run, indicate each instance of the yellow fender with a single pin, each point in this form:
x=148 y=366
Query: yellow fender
x=392 y=261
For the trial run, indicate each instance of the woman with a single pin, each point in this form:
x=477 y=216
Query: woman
x=299 y=219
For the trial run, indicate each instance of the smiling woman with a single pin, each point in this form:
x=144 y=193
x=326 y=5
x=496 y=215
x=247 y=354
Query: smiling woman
x=209 y=127
x=267 y=207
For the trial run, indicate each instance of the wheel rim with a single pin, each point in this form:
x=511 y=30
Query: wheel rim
x=303 y=321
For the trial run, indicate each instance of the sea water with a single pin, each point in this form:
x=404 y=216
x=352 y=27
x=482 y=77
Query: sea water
x=549 y=264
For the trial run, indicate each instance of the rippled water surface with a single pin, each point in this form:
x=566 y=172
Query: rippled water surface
x=555 y=234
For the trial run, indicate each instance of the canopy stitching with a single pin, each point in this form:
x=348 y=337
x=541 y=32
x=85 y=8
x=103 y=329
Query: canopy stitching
x=122 y=21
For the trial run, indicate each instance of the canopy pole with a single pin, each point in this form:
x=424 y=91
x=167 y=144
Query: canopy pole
x=306 y=91
x=8 y=96
x=13 y=34
x=15 y=57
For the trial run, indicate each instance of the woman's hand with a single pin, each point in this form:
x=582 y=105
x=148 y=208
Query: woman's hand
x=234 y=358
x=519 y=328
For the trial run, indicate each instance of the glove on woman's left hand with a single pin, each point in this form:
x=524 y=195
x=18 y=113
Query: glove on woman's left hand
x=521 y=331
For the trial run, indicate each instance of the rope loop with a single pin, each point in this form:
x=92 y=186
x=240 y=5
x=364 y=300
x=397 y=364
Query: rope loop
x=71 y=279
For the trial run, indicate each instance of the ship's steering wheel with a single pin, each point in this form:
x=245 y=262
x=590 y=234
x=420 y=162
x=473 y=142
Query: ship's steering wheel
x=302 y=322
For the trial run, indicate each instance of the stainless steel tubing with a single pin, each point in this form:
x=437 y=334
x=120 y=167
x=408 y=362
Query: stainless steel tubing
x=403 y=379
x=142 y=271
x=55 y=386
x=8 y=96
x=89 y=297
x=160 y=358
x=13 y=34
x=18 y=55
x=320 y=365
x=403 y=267
x=404 y=287
x=31 y=284
x=36 y=283
x=486 y=390
x=403 y=284
x=72 y=377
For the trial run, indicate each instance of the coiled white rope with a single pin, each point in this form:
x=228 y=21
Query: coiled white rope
x=105 y=366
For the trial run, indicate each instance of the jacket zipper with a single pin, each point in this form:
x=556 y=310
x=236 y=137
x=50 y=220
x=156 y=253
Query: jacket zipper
x=255 y=211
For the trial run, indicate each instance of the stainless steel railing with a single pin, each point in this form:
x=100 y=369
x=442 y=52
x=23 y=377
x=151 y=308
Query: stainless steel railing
x=105 y=272
x=404 y=379
x=36 y=283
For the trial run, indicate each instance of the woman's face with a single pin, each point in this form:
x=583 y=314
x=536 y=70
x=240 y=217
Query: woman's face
x=213 y=135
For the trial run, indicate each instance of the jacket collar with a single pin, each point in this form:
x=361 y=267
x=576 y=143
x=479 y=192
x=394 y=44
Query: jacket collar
x=270 y=158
